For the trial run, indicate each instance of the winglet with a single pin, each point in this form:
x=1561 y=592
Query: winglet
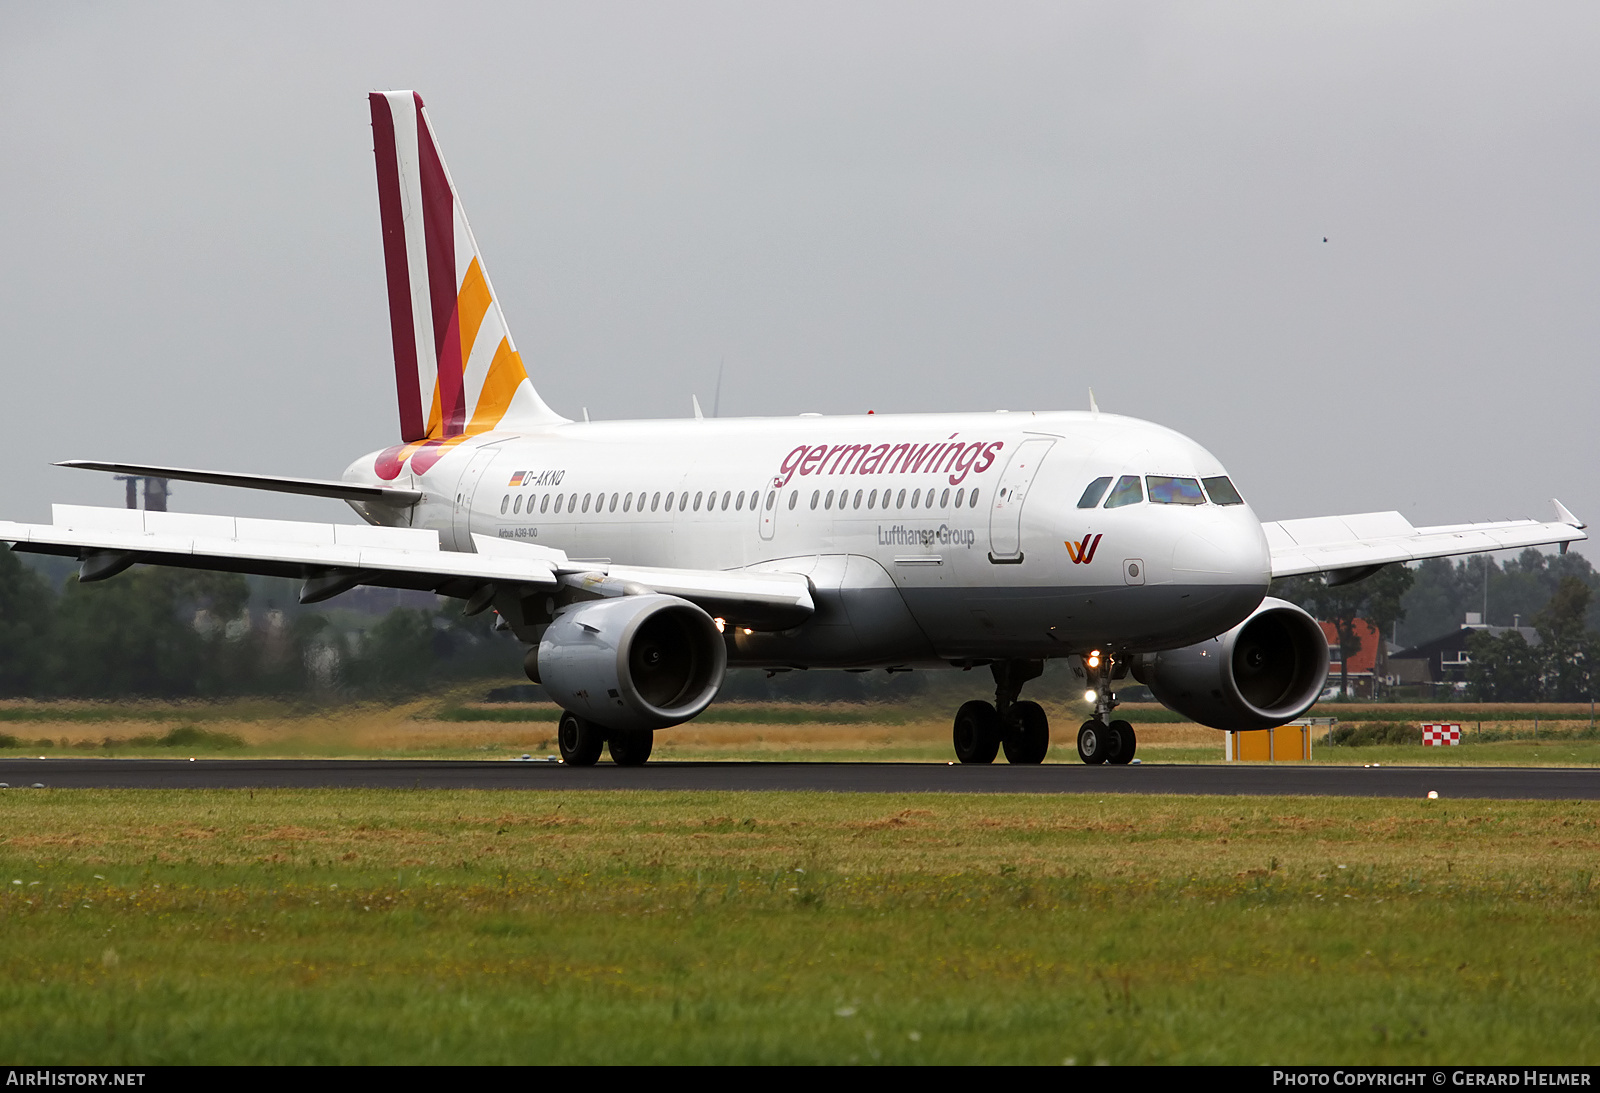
x=1564 y=514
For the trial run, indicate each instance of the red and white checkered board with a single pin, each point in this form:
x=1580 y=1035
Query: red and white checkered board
x=1441 y=736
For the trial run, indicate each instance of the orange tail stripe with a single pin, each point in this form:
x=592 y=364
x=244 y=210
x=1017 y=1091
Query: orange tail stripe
x=472 y=304
x=506 y=374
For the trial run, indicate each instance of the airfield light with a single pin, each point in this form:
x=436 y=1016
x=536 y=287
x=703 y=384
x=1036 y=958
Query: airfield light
x=1089 y=696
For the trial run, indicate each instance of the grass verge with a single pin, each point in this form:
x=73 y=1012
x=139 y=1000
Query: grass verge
x=319 y=926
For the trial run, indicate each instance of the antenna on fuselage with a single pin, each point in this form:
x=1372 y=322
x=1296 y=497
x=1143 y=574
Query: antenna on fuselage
x=716 y=398
x=698 y=415
x=1094 y=407
x=586 y=415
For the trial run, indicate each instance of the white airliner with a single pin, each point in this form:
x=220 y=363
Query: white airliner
x=639 y=560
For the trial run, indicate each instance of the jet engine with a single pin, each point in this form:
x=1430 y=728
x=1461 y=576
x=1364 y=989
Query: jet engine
x=1264 y=672
x=631 y=662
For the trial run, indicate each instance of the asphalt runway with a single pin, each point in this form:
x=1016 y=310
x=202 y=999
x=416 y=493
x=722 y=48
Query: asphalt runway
x=1505 y=783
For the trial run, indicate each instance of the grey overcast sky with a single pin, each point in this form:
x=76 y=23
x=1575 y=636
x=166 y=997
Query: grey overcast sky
x=888 y=206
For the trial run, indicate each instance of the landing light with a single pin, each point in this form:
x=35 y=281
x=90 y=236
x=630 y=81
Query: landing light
x=1094 y=661
x=721 y=623
x=1089 y=696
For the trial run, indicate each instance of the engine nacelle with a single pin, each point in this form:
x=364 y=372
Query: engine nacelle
x=1264 y=672
x=631 y=662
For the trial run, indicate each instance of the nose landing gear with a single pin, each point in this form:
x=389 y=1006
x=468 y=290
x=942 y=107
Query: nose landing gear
x=1102 y=740
x=1022 y=729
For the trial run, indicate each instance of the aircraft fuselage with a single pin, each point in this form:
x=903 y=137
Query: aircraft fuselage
x=928 y=538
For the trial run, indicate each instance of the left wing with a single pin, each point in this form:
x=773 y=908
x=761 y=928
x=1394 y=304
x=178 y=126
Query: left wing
x=1347 y=548
x=333 y=558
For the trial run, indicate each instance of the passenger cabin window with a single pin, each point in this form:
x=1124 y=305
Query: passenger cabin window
x=1128 y=491
x=1221 y=491
x=972 y=500
x=1091 y=496
x=1174 y=491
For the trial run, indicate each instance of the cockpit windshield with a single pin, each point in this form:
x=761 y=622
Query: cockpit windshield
x=1174 y=491
x=1222 y=491
x=1128 y=491
x=1091 y=496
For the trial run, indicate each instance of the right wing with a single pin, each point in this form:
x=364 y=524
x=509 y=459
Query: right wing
x=1351 y=547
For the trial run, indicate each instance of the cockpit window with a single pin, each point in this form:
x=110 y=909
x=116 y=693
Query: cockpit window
x=1128 y=491
x=1091 y=496
x=1221 y=491
x=1174 y=491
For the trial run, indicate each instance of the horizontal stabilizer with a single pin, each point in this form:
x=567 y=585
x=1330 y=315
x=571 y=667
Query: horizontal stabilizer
x=312 y=487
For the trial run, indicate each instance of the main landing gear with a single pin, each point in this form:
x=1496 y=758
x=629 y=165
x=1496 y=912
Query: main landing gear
x=581 y=741
x=1102 y=740
x=1020 y=728
x=983 y=729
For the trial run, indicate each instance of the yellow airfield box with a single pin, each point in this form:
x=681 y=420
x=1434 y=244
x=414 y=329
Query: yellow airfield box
x=1286 y=742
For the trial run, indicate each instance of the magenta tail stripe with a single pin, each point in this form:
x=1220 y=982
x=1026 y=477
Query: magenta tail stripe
x=413 y=426
x=439 y=223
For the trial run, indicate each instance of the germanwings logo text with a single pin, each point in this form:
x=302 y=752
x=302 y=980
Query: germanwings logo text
x=1083 y=553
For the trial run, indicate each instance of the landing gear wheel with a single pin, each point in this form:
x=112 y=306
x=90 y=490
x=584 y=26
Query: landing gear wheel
x=977 y=733
x=1122 y=743
x=630 y=748
x=1093 y=745
x=580 y=740
x=1027 y=735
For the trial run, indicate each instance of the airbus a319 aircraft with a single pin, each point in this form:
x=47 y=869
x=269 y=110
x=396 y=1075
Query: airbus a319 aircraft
x=639 y=560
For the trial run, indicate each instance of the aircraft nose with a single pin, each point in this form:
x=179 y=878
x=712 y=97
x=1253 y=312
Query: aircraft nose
x=1226 y=548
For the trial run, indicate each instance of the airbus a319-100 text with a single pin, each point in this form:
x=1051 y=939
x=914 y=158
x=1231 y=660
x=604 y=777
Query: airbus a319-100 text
x=640 y=560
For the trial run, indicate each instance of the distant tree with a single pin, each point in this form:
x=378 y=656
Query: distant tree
x=124 y=637
x=1446 y=589
x=395 y=657
x=1566 y=649
x=27 y=628
x=1504 y=668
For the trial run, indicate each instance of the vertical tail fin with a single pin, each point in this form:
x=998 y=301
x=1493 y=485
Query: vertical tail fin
x=457 y=371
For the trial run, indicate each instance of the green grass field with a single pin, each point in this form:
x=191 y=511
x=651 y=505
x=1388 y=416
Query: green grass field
x=143 y=927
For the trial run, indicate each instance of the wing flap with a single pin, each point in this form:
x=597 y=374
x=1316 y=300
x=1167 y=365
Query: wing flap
x=1325 y=544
